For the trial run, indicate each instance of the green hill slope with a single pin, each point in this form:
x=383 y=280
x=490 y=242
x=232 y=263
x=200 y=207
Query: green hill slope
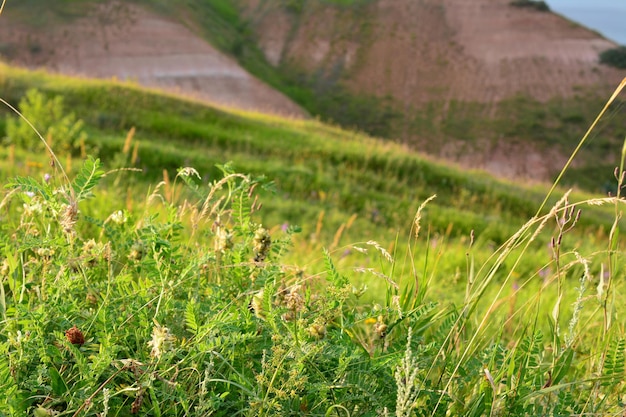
x=179 y=296
x=315 y=166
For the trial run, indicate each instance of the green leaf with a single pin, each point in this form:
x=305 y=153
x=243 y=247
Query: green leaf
x=59 y=387
x=190 y=317
x=331 y=272
x=563 y=365
x=29 y=184
x=87 y=178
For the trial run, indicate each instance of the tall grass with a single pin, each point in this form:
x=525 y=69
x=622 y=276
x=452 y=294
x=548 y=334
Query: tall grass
x=183 y=298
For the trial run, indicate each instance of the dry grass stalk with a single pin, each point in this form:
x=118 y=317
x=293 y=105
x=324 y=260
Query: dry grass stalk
x=380 y=249
x=418 y=216
x=128 y=141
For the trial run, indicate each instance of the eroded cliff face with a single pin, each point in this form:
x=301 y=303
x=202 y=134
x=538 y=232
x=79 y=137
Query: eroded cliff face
x=128 y=42
x=440 y=56
x=423 y=50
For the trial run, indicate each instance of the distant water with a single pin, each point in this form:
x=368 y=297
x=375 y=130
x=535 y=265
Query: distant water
x=605 y=16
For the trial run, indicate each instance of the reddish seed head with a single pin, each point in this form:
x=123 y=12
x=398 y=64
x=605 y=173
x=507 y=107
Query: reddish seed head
x=75 y=336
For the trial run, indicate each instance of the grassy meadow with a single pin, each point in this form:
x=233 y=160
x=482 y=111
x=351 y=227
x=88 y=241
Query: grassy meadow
x=173 y=258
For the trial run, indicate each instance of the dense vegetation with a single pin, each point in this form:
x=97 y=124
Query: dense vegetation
x=313 y=275
x=615 y=57
x=533 y=4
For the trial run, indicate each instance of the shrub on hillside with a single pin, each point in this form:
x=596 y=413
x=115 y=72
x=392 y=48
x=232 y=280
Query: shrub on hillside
x=62 y=130
x=534 y=4
x=615 y=57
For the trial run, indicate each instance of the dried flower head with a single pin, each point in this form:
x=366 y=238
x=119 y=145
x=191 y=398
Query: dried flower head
x=293 y=299
x=69 y=217
x=162 y=340
x=75 y=336
x=261 y=244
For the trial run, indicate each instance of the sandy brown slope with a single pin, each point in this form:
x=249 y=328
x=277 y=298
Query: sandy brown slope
x=435 y=52
x=420 y=50
x=128 y=42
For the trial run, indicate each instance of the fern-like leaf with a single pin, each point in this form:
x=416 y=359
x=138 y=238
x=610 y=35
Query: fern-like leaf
x=332 y=275
x=87 y=178
x=613 y=369
x=190 y=317
x=28 y=184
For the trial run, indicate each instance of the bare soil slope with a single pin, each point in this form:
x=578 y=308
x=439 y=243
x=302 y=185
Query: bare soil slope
x=422 y=50
x=128 y=42
x=434 y=53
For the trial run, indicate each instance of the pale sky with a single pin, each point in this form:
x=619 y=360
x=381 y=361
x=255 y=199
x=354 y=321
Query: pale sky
x=606 y=16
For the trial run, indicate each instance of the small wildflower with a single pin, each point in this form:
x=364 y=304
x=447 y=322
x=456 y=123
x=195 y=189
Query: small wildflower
x=262 y=243
x=358 y=292
x=45 y=253
x=118 y=217
x=161 y=341
x=91 y=251
x=75 y=336
x=317 y=330
x=35 y=207
x=380 y=328
x=137 y=251
x=256 y=305
x=5 y=268
x=47 y=177
x=223 y=240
